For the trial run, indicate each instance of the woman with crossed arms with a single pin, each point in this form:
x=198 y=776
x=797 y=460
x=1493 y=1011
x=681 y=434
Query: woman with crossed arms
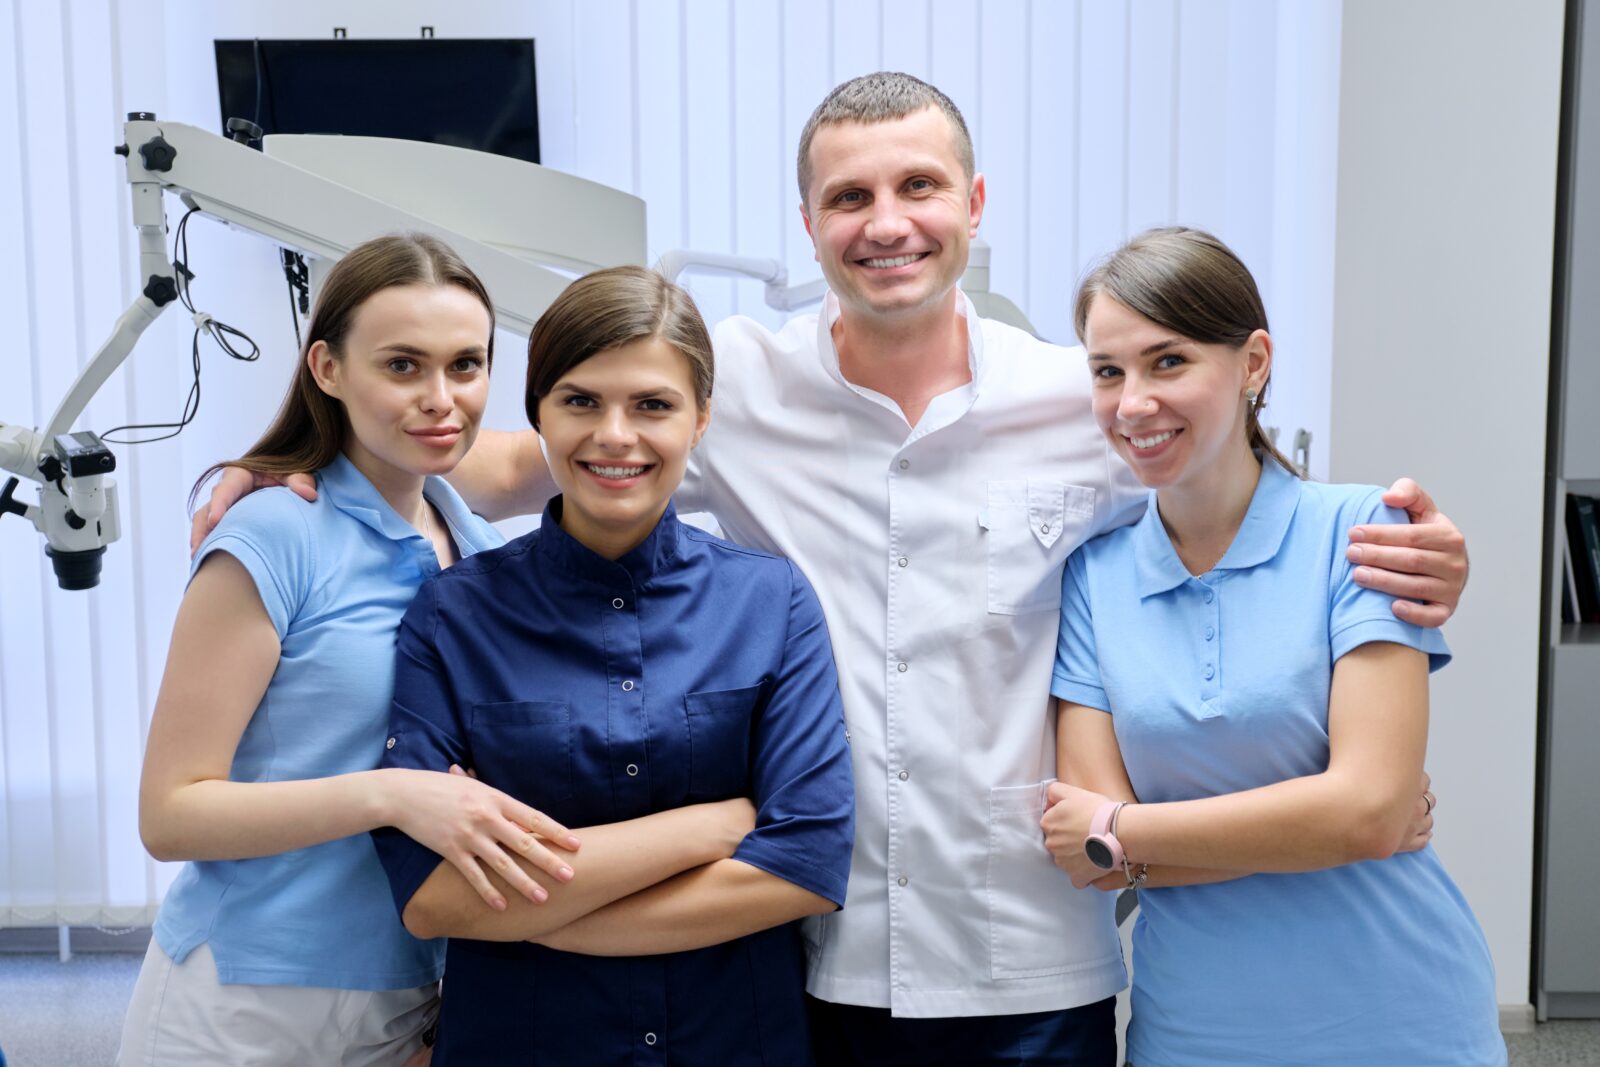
x=1232 y=702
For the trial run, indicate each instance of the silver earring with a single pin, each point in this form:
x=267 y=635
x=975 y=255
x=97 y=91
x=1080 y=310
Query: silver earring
x=1250 y=395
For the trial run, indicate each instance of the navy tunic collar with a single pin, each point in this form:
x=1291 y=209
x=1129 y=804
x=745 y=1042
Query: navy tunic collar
x=635 y=568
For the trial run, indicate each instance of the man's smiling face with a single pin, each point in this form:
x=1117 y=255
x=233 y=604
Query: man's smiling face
x=891 y=212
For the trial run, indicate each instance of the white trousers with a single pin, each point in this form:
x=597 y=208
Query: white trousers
x=181 y=1015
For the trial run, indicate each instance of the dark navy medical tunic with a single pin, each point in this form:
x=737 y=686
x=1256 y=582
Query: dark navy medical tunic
x=688 y=670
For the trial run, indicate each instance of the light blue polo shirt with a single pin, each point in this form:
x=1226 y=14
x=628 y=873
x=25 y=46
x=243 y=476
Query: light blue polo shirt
x=1218 y=684
x=335 y=577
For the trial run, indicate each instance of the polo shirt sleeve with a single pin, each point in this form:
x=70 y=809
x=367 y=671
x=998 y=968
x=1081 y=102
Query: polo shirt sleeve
x=268 y=532
x=1077 y=672
x=802 y=783
x=425 y=733
x=1359 y=616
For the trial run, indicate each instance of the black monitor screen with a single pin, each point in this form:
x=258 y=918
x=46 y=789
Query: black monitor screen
x=466 y=93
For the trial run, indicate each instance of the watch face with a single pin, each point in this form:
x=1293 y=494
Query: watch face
x=1098 y=852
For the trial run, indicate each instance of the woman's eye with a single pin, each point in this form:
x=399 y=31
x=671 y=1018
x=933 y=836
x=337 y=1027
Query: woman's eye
x=468 y=364
x=1106 y=372
x=1169 y=361
x=576 y=401
x=402 y=366
x=654 y=404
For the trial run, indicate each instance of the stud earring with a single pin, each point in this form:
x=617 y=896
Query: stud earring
x=1250 y=396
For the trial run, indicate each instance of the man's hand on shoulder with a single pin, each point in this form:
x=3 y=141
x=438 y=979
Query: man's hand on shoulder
x=234 y=484
x=1425 y=561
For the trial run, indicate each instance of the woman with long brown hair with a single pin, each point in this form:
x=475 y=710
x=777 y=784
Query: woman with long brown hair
x=278 y=943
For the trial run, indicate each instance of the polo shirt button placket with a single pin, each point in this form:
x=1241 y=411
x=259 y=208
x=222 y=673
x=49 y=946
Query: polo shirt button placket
x=1208 y=666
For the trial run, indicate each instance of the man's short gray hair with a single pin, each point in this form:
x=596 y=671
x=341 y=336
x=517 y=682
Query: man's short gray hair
x=881 y=97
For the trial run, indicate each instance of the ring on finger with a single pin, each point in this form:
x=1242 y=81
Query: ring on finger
x=1429 y=799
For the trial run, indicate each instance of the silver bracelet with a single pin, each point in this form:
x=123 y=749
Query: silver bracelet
x=1134 y=880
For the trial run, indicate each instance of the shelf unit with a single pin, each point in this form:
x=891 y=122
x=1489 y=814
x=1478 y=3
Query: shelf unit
x=1567 y=919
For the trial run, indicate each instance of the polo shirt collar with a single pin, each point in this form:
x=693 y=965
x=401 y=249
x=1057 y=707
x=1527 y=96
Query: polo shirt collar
x=347 y=489
x=1266 y=522
x=830 y=355
x=635 y=568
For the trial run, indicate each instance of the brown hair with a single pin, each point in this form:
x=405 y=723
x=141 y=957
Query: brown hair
x=608 y=309
x=881 y=97
x=310 y=427
x=1195 y=286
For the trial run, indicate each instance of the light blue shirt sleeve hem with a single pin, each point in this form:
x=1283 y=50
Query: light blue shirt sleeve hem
x=273 y=597
x=1367 y=631
x=1079 y=692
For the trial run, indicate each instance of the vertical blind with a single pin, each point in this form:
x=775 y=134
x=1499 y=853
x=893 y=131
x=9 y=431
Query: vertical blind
x=1092 y=120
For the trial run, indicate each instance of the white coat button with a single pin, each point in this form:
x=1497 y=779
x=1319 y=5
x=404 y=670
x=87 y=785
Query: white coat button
x=905 y=464
x=904 y=775
x=389 y=743
x=617 y=603
x=627 y=687
x=903 y=561
x=649 y=1039
x=901 y=881
x=903 y=667
x=1045 y=528
x=633 y=770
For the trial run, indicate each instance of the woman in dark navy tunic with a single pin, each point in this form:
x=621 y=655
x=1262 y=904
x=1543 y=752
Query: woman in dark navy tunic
x=635 y=677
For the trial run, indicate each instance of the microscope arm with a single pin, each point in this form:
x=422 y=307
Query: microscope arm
x=299 y=207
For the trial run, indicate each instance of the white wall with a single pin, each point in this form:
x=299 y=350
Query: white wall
x=1093 y=119
x=1446 y=215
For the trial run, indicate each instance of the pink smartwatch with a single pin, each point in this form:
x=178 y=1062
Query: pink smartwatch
x=1102 y=846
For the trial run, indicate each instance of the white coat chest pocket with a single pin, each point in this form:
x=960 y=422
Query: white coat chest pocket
x=1029 y=527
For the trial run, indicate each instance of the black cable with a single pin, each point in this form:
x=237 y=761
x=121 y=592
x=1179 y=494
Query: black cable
x=299 y=279
x=220 y=332
x=294 y=315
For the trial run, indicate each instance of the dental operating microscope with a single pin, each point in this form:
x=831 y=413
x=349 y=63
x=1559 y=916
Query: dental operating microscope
x=525 y=229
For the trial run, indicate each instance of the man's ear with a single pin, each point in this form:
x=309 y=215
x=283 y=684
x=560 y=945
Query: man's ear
x=805 y=217
x=975 y=201
x=324 y=368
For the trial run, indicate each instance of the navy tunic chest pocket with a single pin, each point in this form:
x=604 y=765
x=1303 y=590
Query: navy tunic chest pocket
x=720 y=723
x=524 y=747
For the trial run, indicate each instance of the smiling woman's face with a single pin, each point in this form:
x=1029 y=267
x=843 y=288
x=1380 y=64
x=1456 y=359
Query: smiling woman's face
x=1171 y=407
x=617 y=432
x=413 y=377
